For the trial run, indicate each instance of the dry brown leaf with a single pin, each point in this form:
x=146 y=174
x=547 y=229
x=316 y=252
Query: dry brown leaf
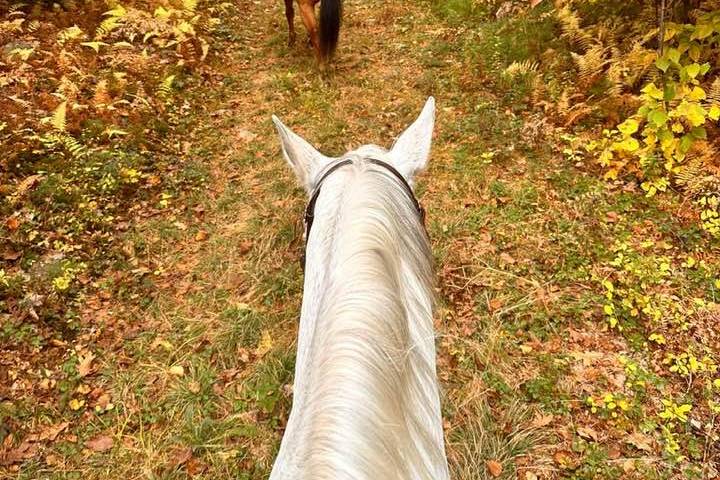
x=180 y=456
x=24 y=451
x=101 y=443
x=52 y=431
x=494 y=467
x=195 y=466
x=506 y=258
x=495 y=304
x=12 y=223
x=640 y=441
x=84 y=366
x=541 y=420
x=9 y=254
x=587 y=433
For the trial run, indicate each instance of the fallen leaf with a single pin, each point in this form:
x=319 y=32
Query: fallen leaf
x=10 y=255
x=101 y=443
x=103 y=401
x=495 y=304
x=562 y=458
x=640 y=441
x=506 y=258
x=587 y=433
x=494 y=467
x=541 y=420
x=82 y=389
x=195 y=466
x=51 y=432
x=180 y=456
x=12 y=223
x=84 y=366
x=264 y=345
x=24 y=451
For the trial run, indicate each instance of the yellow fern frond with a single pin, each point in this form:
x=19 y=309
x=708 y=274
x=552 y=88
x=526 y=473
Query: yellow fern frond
x=522 y=68
x=58 y=117
x=70 y=33
x=33 y=26
x=591 y=64
x=572 y=31
x=189 y=5
x=165 y=89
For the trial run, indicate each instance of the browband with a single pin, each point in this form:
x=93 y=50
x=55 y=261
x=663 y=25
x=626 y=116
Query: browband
x=310 y=209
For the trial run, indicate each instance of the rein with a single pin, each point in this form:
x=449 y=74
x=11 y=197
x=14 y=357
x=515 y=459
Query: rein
x=310 y=209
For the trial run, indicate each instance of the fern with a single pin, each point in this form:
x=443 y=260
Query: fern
x=33 y=26
x=522 y=68
x=62 y=140
x=570 y=26
x=165 y=89
x=111 y=23
x=713 y=92
x=189 y=6
x=58 y=120
x=591 y=64
x=101 y=97
x=70 y=33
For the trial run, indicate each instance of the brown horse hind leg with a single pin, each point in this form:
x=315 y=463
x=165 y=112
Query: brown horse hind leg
x=290 y=16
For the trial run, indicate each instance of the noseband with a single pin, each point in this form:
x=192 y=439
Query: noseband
x=310 y=209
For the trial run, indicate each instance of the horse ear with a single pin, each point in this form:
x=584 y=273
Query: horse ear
x=411 y=150
x=303 y=158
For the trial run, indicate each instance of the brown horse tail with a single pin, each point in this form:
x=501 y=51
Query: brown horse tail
x=330 y=15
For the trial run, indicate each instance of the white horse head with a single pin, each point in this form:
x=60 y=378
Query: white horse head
x=366 y=399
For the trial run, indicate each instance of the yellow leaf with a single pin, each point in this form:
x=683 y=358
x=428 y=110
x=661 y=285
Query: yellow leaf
x=264 y=345
x=76 y=404
x=714 y=112
x=628 y=127
x=696 y=94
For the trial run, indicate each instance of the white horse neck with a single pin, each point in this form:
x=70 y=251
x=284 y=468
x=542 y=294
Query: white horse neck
x=366 y=402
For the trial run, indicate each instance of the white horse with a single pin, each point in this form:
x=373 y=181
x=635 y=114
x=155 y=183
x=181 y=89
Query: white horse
x=366 y=401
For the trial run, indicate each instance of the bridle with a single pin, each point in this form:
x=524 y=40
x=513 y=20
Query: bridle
x=310 y=208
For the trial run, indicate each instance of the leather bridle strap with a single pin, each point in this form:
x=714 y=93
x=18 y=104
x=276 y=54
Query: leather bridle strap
x=310 y=209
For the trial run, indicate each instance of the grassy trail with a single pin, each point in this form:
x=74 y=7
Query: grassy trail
x=200 y=379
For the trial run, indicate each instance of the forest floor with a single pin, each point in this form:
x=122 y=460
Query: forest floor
x=189 y=374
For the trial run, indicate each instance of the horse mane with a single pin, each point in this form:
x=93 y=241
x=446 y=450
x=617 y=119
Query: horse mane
x=366 y=402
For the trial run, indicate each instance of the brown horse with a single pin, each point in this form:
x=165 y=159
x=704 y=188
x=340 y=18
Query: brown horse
x=324 y=38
